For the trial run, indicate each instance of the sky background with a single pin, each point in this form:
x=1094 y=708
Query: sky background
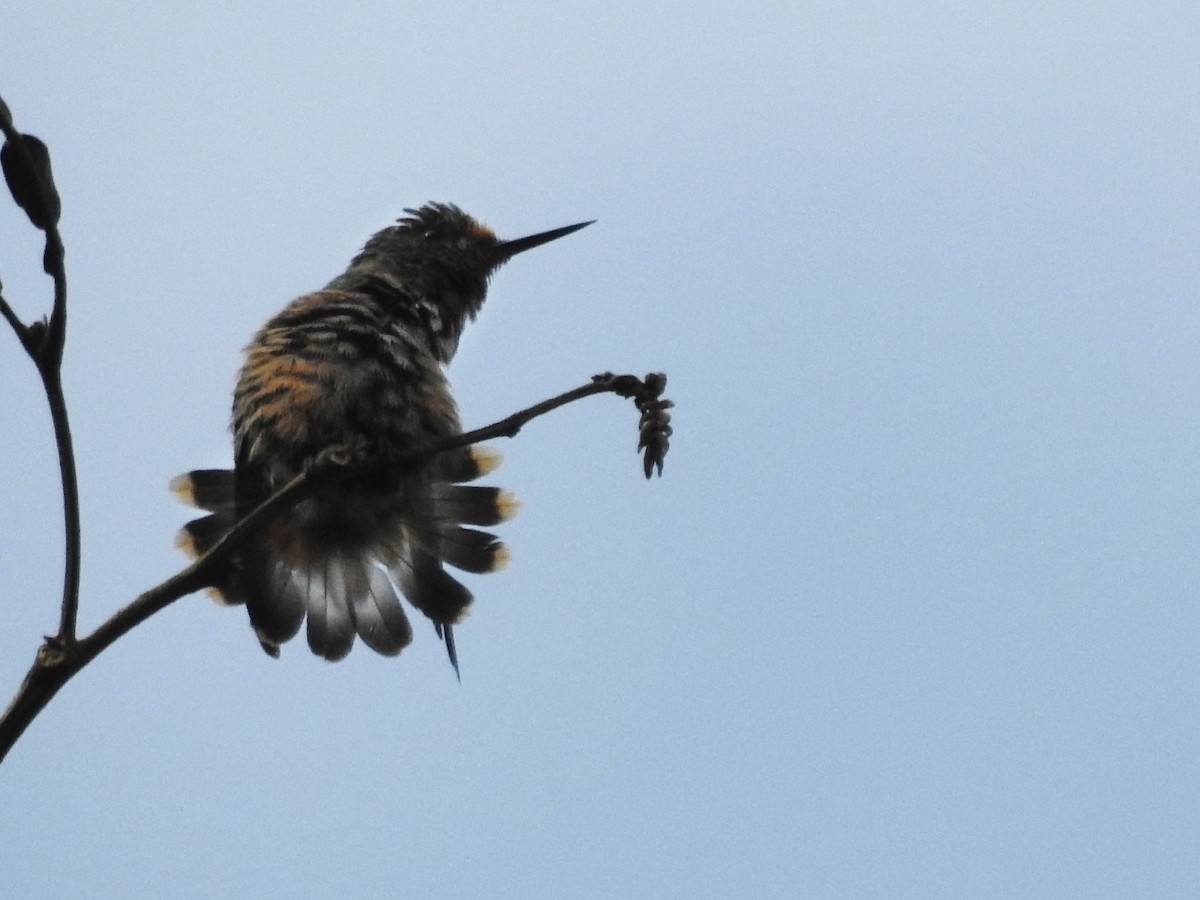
x=912 y=612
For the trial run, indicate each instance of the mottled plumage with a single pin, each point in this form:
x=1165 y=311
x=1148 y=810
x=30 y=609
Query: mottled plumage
x=360 y=364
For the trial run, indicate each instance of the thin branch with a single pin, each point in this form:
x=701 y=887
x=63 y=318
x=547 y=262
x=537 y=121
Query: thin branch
x=510 y=426
x=57 y=661
x=17 y=325
x=52 y=380
x=27 y=171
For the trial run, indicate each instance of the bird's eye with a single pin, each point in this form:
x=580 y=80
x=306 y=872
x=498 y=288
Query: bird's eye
x=430 y=235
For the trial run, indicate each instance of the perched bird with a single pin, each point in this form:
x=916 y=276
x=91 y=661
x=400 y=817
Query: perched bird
x=359 y=364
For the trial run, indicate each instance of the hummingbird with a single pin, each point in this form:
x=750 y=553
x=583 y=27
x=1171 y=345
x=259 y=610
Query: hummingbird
x=361 y=363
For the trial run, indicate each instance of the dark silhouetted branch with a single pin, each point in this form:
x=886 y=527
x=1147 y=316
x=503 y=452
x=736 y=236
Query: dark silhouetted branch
x=26 y=164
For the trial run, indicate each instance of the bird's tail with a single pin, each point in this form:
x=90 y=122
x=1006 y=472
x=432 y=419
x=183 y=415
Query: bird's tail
x=339 y=566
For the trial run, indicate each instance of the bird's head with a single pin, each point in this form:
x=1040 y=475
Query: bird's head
x=441 y=257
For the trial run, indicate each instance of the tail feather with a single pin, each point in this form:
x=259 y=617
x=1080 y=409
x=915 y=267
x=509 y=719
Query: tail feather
x=198 y=536
x=330 y=619
x=210 y=489
x=379 y=618
x=430 y=588
x=468 y=463
x=276 y=604
x=471 y=550
x=435 y=592
x=473 y=505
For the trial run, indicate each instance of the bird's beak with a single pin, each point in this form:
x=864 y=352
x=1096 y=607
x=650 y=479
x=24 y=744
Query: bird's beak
x=508 y=249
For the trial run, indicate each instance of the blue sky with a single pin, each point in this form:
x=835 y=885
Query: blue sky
x=913 y=610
